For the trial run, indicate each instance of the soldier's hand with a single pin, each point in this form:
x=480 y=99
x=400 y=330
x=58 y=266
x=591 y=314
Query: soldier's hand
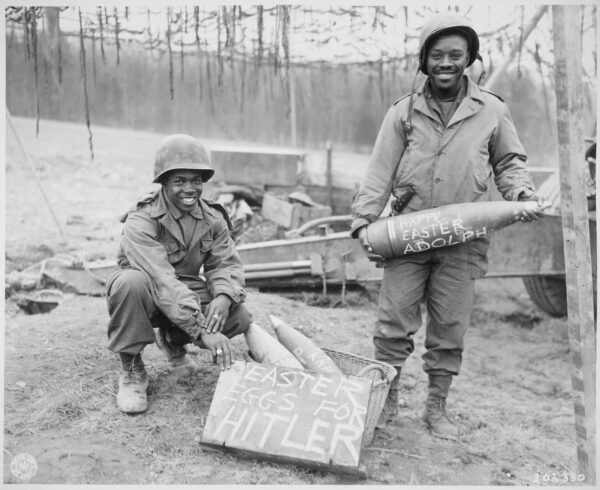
x=219 y=346
x=217 y=312
x=362 y=237
x=533 y=214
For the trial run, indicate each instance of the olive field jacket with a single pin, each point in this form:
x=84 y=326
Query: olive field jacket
x=442 y=165
x=152 y=242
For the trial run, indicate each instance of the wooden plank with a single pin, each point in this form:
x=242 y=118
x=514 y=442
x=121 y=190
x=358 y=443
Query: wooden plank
x=257 y=167
x=291 y=215
x=291 y=415
x=576 y=235
x=278 y=211
x=359 y=472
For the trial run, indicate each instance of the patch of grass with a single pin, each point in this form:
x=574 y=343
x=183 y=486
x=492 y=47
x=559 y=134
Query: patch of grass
x=510 y=400
x=69 y=410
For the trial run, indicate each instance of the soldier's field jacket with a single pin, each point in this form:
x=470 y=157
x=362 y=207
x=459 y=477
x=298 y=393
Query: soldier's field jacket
x=152 y=242
x=443 y=165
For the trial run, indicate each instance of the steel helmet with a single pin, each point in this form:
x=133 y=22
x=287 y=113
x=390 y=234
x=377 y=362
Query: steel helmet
x=181 y=152
x=447 y=22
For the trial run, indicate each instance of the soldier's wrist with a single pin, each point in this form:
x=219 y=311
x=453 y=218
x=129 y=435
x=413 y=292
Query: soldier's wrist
x=525 y=195
x=227 y=297
x=200 y=322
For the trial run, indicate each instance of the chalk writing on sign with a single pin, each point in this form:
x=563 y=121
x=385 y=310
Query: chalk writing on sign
x=289 y=413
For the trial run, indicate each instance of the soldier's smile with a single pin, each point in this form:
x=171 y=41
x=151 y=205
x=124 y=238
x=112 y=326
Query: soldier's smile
x=189 y=201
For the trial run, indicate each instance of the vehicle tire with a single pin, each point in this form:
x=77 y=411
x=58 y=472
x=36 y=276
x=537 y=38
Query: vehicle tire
x=548 y=293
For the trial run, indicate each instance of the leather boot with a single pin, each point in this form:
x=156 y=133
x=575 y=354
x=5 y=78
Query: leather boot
x=133 y=384
x=177 y=355
x=435 y=416
x=390 y=408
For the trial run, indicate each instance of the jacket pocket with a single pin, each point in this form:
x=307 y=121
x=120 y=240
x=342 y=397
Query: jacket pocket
x=171 y=246
x=206 y=245
x=477 y=257
x=482 y=177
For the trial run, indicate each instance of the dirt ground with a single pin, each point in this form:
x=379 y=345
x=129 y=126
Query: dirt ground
x=512 y=400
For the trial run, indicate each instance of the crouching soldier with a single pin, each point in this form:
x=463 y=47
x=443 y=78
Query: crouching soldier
x=178 y=272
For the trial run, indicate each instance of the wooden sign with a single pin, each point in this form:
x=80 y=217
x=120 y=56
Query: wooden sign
x=289 y=415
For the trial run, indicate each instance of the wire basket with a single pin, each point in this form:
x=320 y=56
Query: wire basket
x=382 y=375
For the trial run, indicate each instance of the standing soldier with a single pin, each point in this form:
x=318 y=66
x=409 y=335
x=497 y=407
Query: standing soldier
x=443 y=143
x=178 y=271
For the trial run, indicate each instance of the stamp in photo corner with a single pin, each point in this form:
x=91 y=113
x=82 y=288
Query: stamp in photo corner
x=23 y=466
x=555 y=478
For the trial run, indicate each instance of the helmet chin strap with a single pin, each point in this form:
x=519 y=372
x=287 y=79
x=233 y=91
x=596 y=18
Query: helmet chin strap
x=483 y=72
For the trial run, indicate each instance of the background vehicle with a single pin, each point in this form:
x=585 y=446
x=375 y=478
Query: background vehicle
x=322 y=252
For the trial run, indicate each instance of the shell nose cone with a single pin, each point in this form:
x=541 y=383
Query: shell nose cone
x=545 y=205
x=276 y=322
x=534 y=206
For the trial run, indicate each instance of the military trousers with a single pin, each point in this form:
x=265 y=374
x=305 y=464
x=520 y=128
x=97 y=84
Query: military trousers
x=442 y=278
x=134 y=315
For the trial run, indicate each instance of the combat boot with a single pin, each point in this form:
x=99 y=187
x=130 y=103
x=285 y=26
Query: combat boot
x=177 y=357
x=391 y=407
x=133 y=384
x=435 y=416
x=183 y=365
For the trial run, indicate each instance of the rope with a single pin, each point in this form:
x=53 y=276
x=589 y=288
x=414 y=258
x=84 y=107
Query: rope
x=35 y=175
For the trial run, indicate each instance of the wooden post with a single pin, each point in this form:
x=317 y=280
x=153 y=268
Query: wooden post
x=51 y=46
x=576 y=233
x=329 y=176
x=293 y=116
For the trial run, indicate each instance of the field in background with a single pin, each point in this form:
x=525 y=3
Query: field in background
x=512 y=400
